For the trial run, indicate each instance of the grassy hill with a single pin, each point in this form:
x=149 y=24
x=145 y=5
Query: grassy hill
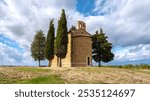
x=81 y=75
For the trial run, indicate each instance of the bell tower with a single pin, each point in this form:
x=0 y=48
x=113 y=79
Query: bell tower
x=81 y=25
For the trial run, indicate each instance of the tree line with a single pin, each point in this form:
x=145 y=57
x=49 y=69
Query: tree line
x=46 y=48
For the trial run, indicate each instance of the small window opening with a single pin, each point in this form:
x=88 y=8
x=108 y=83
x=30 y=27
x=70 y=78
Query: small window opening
x=88 y=61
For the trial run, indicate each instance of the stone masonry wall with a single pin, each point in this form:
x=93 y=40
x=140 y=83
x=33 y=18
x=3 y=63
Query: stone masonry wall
x=82 y=49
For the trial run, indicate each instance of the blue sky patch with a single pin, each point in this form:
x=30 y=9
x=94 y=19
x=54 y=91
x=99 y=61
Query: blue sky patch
x=85 y=7
x=11 y=43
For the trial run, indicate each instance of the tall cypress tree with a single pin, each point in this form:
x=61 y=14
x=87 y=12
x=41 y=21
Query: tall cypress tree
x=49 y=45
x=101 y=48
x=37 y=46
x=61 y=38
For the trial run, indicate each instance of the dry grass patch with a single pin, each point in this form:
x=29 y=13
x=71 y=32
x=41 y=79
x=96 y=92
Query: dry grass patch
x=76 y=75
x=101 y=75
x=11 y=75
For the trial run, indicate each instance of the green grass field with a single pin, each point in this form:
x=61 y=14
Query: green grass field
x=74 y=75
x=52 y=79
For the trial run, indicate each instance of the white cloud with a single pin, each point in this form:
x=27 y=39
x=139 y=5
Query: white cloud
x=22 y=18
x=12 y=56
x=127 y=22
x=19 y=20
x=133 y=53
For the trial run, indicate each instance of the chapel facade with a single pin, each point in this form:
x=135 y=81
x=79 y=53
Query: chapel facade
x=79 y=52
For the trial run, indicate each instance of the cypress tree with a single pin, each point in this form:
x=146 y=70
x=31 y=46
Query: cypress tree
x=101 y=48
x=49 y=45
x=61 y=38
x=37 y=46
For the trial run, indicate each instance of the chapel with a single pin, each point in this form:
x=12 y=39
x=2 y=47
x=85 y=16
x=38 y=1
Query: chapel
x=79 y=52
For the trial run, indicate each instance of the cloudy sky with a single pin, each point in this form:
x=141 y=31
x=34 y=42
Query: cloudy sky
x=125 y=22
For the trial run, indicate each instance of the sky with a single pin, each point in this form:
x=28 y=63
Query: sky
x=125 y=22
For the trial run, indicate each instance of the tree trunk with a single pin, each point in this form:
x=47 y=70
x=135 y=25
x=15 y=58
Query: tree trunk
x=39 y=63
x=99 y=63
x=99 y=59
x=50 y=63
x=60 y=62
x=57 y=61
